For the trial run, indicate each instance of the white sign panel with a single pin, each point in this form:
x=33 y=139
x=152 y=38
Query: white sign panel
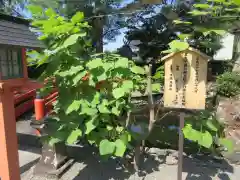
x=226 y=52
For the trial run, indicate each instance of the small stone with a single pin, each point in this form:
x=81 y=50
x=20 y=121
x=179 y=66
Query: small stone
x=157 y=151
x=171 y=160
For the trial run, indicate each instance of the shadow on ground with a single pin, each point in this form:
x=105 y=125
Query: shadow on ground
x=92 y=167
x=28 y=156
x=95 y=168
x=203 y=168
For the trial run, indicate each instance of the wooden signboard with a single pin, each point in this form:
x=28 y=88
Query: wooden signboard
x=185 y=80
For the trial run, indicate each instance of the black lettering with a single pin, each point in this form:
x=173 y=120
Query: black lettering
x=177 y=68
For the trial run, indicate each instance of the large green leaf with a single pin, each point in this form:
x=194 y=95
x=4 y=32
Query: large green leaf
x=237 y=2
x=35 y=9
x=91 y=111
x=159 y=75
x=91 y=125
x=202 y=6
x=76 y=69
x=79 y=77
x=72 y=39
x=205 y=140
x=74 y=135
x=228 y=144
x=106 y=147
x=212 y=125
x=74 y=106
x=95 y=63
x=119 y=129
x=102 y=77
x=109 y=128
x=202 y=138
x=122 y=62
x=126 y=137
x=218 y=1
x=96 y=99
x=138 y=70
x=217 y=31
x=176 y=46
x=58 y=136
x=181 y=22
x=156 y=87
x=54 y=140
x=116 y=111
x=190 y=133
x=127 y=85
x=198 y=13
x=73 y=70
x=118 y=93
x=108 y=65
x=50 y=12
x=78 y=17
x=184 y=36
x=120 y=148
x=103 y=109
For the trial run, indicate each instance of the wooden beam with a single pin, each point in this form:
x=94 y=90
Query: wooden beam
x=8 y=138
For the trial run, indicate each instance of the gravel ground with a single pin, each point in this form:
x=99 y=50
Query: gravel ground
x=155 y=166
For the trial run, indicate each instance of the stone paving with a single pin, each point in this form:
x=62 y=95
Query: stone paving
x=90 y=167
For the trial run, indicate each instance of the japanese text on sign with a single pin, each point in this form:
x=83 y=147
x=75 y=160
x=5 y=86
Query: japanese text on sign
x=185 y=84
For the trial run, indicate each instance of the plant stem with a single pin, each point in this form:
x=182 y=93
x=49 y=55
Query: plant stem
x=137 y=157
x=128 y=113
x=150 y=99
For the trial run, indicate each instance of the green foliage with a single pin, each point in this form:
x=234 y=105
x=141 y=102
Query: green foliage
x=94 y=89
x=207 y=20
x=176 y=46
x=205 y=130
x=228 y=84
x=158 y=79
x=197 y=26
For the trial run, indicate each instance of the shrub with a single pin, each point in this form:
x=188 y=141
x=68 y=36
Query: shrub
x=228 y=84
x=204 y=129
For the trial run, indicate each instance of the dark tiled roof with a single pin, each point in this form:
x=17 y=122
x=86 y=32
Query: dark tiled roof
x=15 y=31
x=14 y=19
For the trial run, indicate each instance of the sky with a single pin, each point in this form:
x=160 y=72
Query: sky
x=115 y=44
x=119 y=39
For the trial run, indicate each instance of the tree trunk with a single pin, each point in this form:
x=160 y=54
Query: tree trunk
x=98 y=34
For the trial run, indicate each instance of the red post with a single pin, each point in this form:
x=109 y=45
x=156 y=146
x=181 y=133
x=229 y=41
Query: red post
x=9 y=163
x=39 y=106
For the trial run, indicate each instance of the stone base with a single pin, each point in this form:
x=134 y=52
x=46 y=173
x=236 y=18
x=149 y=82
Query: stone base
x=53 y=162
x=55 y=173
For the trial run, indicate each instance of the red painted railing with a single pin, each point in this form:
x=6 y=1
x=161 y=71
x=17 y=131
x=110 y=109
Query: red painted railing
x=24 y=101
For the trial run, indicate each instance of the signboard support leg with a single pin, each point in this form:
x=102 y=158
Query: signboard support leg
x=180 y=146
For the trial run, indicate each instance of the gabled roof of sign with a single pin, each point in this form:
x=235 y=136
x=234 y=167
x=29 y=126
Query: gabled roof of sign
x=206 y=57
x=15 y=31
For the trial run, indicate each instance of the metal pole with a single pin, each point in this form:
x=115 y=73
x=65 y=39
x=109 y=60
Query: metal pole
x=180 y=146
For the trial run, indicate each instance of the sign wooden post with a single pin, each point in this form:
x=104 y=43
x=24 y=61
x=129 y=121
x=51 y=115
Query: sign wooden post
x=185 y=87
